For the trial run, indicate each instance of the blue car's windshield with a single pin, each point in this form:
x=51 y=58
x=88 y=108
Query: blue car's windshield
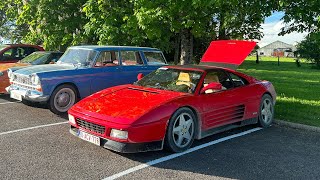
x=36 y=58
x=81 y=57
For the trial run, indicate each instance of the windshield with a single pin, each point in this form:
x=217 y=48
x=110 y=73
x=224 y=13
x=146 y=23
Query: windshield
x=2 y=47
x=82 y=57
x=172 y=79
x=36 y=58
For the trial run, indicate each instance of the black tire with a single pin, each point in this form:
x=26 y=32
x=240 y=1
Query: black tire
x=172 y=138
x=62 y=99
x=266 y=111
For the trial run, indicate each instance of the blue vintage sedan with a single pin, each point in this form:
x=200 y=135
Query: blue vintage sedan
x=81 y=71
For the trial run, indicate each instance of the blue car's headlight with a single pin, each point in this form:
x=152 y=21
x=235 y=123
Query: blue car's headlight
x=35 y=80
x=10 y=74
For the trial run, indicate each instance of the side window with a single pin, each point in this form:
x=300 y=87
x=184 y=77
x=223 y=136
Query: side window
x=217 y=76
x=8 y=54
x=53 y=58
x=29 y=50
x=154 y=58
x=238 y=81
x=56 y=56
x=130 y=58
x=20 y=53
x=107 y=58
x=16 y=53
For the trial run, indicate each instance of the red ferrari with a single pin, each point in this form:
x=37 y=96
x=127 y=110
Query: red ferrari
x=174 y=105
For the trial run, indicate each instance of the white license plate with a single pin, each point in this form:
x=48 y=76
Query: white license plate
x=89 y=137
x=16 y=95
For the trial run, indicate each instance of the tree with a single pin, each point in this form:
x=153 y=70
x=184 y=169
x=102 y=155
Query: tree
x=203 y=20
x=55 y=24
x=238 y=19
x=301 y=16
x=9 y=29
x=113 y=22
x=310 y=48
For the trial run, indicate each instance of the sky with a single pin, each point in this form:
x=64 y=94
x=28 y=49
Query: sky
x=272 y=26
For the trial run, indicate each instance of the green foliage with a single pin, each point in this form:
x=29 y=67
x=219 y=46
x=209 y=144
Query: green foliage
x=238 y=19
x=301 y=15
x=310 y=48
x=9 y=29
x=112 y=22
x=55 y=24
x=183 y=26
x=58 y=23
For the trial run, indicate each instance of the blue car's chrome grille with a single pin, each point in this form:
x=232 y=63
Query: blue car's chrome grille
x=22 y=80
x=24 y=86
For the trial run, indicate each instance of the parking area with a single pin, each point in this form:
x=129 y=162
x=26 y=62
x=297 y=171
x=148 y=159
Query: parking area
x=36 y=144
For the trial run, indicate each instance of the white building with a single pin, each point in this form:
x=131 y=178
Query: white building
x=277 y=48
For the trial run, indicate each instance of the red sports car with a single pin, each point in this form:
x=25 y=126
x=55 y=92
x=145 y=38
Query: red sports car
x=174 y=105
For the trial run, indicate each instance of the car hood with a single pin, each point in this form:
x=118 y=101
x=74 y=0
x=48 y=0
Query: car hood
x=6 y=66
x=227 y=53
x=124 y=105
x=43 y=68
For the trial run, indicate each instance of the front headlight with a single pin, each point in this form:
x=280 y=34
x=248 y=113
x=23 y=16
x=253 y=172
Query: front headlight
x=10 y=74
x=119 y=134
x=71 y=119
x=35 y=80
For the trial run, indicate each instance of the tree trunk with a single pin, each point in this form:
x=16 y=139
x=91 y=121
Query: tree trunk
x=222 y=30
x=186 y=47
x=176 y=49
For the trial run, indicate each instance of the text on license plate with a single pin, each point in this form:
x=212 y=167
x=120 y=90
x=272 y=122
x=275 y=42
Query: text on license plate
x=16 y=96
x=89 y=137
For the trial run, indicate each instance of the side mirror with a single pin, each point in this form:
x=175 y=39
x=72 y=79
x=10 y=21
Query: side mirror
x=215 y=86
x=140 y=76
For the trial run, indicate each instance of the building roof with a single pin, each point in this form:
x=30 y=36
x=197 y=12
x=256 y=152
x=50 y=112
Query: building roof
x=277 y=44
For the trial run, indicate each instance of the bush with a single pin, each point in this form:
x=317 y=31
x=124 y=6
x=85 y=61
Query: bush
x=310 y=48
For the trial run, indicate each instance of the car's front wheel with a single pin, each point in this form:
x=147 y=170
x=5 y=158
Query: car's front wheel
x=180 y=130
x=62 y=99
x=266 y=113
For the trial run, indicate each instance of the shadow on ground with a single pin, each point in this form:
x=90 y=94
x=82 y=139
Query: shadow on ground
x=273 y=153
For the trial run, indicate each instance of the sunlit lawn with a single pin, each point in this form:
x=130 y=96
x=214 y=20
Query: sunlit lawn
x=298 y=88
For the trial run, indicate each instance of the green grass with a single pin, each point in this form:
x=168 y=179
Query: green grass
x=298 y=88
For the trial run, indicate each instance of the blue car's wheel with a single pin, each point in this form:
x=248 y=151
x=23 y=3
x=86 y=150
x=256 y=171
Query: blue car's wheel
x=62 y=99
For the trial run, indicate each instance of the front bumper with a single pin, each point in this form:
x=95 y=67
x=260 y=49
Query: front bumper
x=125 y=147
x=28 y=94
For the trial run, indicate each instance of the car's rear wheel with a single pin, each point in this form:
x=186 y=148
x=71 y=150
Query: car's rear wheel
x=180 y=130
x=62 y=99
x=266 y=113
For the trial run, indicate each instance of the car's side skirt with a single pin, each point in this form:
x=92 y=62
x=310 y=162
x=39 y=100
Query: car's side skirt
x=227 y=127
